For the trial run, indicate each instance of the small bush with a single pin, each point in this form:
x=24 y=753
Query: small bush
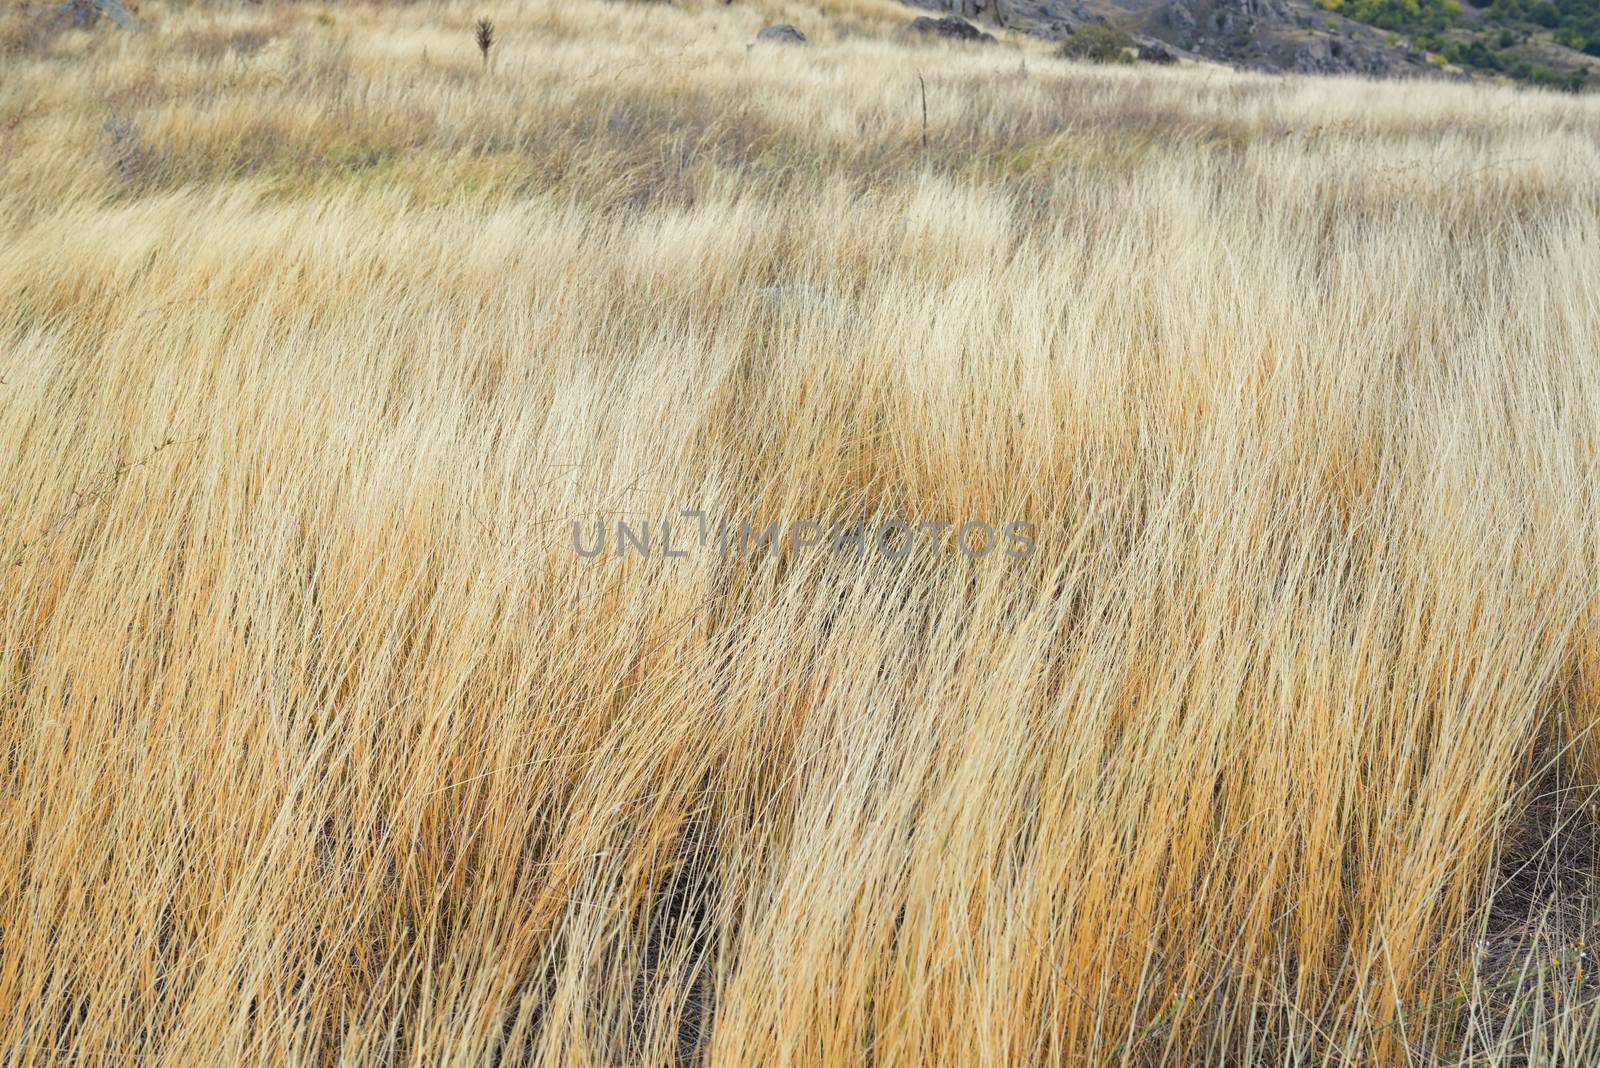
x=1097 y=42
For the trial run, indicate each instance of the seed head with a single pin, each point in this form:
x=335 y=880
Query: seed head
x=485 y=38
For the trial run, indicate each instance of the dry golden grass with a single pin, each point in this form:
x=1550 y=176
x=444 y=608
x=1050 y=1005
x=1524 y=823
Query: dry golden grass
x=323 y=745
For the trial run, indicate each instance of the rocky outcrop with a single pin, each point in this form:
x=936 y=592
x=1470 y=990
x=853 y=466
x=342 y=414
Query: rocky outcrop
x=1278 y=36
x=1230 y=17
x=1331 y=55
x=1049 y=19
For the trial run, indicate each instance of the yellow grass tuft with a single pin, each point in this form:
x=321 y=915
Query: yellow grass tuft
x=323 y=745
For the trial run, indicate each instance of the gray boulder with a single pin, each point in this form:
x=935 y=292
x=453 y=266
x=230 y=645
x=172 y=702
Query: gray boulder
x=796 y=294
x=956 y=29
x=83 y=12
x=782 y=33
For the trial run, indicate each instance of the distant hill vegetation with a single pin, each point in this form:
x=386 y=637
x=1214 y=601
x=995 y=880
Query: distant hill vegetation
x=1523 y=39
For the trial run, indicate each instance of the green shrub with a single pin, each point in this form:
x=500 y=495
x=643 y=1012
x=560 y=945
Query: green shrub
x=1097 y=42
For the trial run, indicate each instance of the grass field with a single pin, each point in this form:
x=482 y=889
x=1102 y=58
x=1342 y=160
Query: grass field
x=324 y=743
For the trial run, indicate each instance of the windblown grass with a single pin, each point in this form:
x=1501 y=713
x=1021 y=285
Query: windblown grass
x=323 y=745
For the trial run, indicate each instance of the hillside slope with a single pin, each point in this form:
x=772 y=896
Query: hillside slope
x=1307 y=37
